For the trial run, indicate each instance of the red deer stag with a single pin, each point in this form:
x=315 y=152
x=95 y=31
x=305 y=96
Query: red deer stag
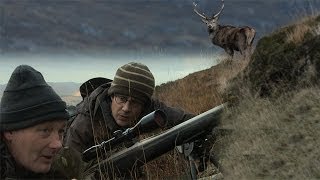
x=228 y=37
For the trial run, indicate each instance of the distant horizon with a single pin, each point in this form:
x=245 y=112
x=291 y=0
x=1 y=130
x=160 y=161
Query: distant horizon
x=78 y=69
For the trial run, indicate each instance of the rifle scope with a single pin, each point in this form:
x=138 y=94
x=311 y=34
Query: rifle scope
x=148 y=123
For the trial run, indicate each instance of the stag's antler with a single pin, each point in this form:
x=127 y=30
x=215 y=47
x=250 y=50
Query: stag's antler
x=216 y=15
x=196 y=11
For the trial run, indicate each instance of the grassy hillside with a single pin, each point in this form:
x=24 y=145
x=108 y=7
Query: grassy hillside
x=272 y=135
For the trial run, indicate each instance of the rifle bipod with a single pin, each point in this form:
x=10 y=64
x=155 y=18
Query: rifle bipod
x=197 y=156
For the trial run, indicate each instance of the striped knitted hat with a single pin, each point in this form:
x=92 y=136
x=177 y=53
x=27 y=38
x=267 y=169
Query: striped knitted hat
x=135 y=80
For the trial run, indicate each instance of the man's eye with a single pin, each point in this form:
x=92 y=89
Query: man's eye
x=123 y=99
x=45 y=132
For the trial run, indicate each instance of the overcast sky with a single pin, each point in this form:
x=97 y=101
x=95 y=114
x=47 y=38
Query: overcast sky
x=67 y=68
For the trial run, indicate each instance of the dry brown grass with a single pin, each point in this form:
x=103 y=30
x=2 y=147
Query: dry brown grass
x=201 y=91
x=195 y=93
x=302 y=26
x=274 y=139
x=171 y=165
x=227 y=70
x=298 y=33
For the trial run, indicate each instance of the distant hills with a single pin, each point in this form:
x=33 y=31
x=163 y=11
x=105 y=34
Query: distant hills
x=69 y=91
x=62 y=88
x=66 y=88
x=38 y=26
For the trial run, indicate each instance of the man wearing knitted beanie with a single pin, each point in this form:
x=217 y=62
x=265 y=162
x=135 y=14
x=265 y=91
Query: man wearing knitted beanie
x=118 y=105
x=32 y=122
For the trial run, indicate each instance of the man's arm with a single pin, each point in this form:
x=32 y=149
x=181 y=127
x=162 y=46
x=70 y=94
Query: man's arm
x=79 y=135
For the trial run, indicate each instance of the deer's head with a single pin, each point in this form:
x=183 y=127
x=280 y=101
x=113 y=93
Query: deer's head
x=211 y=22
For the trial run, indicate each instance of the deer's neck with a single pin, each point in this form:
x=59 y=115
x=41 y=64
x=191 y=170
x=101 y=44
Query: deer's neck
x=213 y=31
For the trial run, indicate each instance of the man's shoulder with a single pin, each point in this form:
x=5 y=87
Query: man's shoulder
x=88 y=107
x=93 y=84
x=88 y=102
x=99 y=90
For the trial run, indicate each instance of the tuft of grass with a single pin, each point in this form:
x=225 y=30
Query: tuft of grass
x=303 y=27
x=298 y=34
x=228 y=70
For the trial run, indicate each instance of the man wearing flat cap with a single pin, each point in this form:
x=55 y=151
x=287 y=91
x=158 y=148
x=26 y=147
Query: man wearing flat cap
x=32 y=123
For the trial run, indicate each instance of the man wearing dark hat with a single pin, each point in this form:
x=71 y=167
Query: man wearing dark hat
x=118 y=105
x=32 y=123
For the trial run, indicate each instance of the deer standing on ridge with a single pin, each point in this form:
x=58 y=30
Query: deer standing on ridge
x=228 y=37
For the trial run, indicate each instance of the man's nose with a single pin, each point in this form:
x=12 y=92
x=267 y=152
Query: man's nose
x=56 y=141
x=126 y=106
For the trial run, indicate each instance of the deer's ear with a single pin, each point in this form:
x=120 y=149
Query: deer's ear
x=203 y=20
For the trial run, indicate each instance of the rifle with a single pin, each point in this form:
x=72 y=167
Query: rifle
x=147 y=124
x=128 y=160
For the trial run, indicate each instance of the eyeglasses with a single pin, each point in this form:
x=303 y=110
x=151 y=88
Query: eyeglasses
x=121 y=100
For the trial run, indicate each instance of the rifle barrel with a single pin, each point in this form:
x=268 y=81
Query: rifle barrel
x=150 y=148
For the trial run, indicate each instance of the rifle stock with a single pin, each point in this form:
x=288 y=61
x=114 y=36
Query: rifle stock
x=125 y=161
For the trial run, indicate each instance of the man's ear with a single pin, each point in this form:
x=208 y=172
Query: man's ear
x=111 y=97
x=8 y=135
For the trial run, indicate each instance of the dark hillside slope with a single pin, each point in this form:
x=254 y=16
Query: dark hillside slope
x=39 y=26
